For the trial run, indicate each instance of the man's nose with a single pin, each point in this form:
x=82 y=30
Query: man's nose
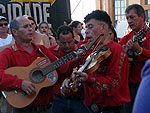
x=30 y=28
x=129 y=20
x=86 y=31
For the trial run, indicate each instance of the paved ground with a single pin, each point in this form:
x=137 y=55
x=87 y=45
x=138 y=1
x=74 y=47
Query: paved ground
x=3 y=107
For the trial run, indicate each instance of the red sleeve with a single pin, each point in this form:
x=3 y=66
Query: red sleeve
x=144 y=56
x=146 y=49
x=7 y=81
x=125 y=39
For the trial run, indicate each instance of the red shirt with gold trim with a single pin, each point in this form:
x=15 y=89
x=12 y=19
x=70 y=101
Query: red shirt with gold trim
x=108 y=85
x=11 y=57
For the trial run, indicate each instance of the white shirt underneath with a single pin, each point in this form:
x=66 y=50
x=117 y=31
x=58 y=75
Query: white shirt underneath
x=7 y=41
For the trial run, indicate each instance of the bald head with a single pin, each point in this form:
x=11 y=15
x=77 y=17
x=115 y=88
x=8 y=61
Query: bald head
x=21 y=19
x=21 y=30
x=16 y=23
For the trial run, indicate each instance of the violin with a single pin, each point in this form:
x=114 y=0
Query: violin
x=91 y=65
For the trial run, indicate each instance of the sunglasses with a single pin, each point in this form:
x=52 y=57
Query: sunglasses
x=5 y=24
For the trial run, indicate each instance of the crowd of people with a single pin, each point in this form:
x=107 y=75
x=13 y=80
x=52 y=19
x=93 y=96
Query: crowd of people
x=92 y=72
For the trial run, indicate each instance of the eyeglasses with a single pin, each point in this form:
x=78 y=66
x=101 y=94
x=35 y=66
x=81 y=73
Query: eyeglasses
x=5 y=24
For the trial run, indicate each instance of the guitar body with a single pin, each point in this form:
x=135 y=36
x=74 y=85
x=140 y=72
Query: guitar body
x=17 y=98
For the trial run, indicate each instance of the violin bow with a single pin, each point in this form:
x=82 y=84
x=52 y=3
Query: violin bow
x=81 y=62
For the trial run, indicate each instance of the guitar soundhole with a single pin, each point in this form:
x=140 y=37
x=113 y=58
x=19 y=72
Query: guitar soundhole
x=37 y=76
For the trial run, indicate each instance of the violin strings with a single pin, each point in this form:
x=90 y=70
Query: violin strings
x=81 y=62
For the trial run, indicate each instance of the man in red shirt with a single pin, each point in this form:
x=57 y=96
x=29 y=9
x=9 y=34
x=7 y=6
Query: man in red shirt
x=22 y=54
x=106 y=88
x=73 y=102
x=135 y=16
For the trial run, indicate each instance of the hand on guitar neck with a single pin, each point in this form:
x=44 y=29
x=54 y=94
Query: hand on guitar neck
x=79 y=55
x=133 y=46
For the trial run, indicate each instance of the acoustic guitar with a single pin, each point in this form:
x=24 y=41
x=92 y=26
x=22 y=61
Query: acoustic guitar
x=136 y=38
x=42 y=73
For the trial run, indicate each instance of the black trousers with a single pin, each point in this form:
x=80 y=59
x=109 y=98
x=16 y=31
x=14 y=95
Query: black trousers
x=133 y=90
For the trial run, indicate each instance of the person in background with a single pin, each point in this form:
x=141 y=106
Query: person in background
x=77 y=27
x=106 y=88
x=83 y=32
x=52 y=35
x=72 y=103
x=44 y=29
x=38 y=38
x=113 y=34
x=6 y=40
x=135 y=16
x=67 y=21
x=142 y=100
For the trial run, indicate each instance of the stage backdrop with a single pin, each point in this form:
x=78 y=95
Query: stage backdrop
x=52 y=11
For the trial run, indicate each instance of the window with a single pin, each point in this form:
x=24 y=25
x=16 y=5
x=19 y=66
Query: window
x=119 y=10
x=148 y=11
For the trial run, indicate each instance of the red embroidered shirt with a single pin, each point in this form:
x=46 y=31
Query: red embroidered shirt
x=108 y=85
x=138 y=63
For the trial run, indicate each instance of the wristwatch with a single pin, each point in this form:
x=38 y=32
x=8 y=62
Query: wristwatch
x=139 y=53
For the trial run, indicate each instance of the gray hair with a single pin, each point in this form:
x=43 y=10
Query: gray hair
x=139 y=10
x=14 y=25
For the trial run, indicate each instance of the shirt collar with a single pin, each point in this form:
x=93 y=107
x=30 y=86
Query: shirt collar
x=17 y=47
x=57 y=48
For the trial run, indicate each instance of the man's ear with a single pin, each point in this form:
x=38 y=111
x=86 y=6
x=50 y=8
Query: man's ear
x=142 y=16
x=104 y=26
x=14 y=32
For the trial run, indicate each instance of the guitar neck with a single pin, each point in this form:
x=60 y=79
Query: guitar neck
x=140 y=35
x=53 y=66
